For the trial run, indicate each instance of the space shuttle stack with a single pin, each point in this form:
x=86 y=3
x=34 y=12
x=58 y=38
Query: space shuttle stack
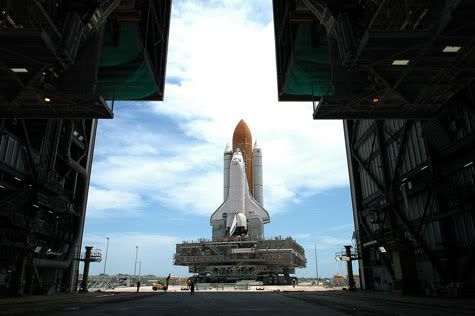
x=228 y=155
x=242 y=211
x=242 y=140
x=257 y=173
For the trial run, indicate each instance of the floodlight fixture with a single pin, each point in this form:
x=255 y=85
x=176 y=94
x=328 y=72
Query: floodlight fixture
x=400 y=62
x=19 y=70
x=451 y=49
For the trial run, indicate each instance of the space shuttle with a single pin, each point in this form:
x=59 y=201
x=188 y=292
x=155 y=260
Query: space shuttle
x=242 y=213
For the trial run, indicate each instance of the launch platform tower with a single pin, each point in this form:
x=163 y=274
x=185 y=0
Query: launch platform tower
x=238 y=249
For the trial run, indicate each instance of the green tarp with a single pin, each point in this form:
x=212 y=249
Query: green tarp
x=123 y=73
x=310 y=65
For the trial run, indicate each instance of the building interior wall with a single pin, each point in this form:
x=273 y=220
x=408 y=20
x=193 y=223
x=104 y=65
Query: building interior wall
x=44 y=177
x=408 y=130
x=413 y=184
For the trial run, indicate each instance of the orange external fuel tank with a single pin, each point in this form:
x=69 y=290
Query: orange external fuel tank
x=242 y=139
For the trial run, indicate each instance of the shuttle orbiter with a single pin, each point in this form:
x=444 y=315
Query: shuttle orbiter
x=240 y=213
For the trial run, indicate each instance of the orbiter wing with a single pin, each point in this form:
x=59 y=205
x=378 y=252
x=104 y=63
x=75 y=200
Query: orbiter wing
x=252 y=209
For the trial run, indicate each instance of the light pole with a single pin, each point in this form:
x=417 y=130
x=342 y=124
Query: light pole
x=105 y=260
x=135 y=262
x=316 y=262
x=140 y=269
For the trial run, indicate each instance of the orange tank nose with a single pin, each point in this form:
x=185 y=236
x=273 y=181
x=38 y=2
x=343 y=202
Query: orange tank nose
x=242 y=139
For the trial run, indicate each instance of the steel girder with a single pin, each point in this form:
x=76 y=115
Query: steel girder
x=47 y=200
x=392 y=192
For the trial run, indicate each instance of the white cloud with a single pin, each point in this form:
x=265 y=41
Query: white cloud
x=233 y=68
x=171 y=181
x=226 y=65
x=101 y=202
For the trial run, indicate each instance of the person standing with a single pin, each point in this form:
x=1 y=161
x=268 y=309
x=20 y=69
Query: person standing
x=138 y=286
x=167 y=282
x=192 y=287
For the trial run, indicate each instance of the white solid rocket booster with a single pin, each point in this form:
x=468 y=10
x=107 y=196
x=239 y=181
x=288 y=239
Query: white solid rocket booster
x=257 y=173
x=228 y=155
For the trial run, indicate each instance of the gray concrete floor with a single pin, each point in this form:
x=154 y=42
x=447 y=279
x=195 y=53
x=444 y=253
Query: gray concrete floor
x=228 y=303
x=266 y=304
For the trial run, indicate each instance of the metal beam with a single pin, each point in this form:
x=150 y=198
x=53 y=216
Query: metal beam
x=386 y=171
x=368 y=230
x=371 y=175
x=394 y=204
x=401 y=150
x=354 y=183
x=99 y=16
x=34 y=170
x=438 y=28
x=362 y=138
x=426 y=208
x=386 y=83
x=419 y=242
x=322 y=13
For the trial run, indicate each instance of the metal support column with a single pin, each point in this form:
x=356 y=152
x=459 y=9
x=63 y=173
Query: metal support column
x=349 y=267
x=85 y=274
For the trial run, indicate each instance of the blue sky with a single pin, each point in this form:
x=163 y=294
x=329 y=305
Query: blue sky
x=157 y=171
